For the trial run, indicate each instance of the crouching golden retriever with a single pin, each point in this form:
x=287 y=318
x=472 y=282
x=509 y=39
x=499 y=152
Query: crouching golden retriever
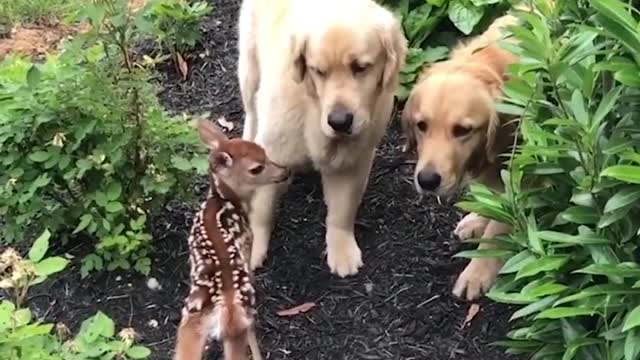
x=451 y=118
x=317 y=79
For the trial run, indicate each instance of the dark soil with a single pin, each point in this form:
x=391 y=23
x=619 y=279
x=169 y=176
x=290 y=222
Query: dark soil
x=398 y=307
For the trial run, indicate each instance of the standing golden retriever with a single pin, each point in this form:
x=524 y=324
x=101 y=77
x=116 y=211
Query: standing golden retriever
x=317 y=79
x=451 y=118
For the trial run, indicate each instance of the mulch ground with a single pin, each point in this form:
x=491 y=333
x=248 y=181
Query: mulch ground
x=398 y=307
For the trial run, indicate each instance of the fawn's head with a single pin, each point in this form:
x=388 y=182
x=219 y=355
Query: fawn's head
x=242 y=165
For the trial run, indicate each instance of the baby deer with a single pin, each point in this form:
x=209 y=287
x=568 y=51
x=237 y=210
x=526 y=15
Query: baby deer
x=221 y=301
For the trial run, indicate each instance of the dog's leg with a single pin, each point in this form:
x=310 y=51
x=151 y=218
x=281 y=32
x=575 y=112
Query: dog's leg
x=261 y=216
x=480 y=274
x=343 y=193
x=471 y=226
x=190 y=340
x=248 y=68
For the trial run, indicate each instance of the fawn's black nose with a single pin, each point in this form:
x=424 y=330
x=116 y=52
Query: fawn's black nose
x=428 y=179
x=341 y=119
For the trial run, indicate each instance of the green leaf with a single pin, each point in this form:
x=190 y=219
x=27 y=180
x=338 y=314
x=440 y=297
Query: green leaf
x=114 y=207
x=622 y=198
x=138 y=352
x=101 y=199
x=40 y=246
x=626 y=173
x=181 y=163
x=40 y=156
x=50 y=266
x=464 y=15
x=515 y=263
x=632 y=320
x=33 y=76
x=565 y=312
x=578 y=108
x=546 y=263
x=575 y=344
x=580 y=215
x=535 y=307
x=95 y=327
x=511 y=298
x=607 y=104
x=85 y=220
x=632 y=345
x=622 y=270
x=470 y=254
x=114 y=190
x=562 y=238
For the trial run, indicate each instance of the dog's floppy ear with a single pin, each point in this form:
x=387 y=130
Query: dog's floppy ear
x=394 y=44
x=298 y=49
x=408 y=126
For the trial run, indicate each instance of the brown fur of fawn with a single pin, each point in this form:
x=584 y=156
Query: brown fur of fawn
x=221 y=301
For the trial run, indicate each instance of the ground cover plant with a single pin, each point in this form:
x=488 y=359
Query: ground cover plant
x=572 y=188
x=433 y=26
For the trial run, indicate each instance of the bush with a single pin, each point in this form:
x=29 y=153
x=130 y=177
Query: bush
x=23 y=338
x=431 y=25
x=86 y=148
x=572 y=188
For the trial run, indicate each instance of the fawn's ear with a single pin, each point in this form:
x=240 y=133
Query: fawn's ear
x=210 y=135
x=222 y=159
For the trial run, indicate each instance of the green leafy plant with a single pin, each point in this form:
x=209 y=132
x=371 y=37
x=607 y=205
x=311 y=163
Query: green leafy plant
x=85 y=147
x=573 y=184
x=20 y=274
x=432 y=25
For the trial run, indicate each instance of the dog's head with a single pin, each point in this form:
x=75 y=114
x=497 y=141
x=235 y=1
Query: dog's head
x=451 y=119
x=347 y=63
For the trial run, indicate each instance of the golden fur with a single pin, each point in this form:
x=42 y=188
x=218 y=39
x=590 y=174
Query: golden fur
x=302 y=63
x=451 y=120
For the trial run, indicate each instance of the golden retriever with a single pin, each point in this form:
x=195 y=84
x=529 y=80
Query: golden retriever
x=451 y=118
x=317 y=79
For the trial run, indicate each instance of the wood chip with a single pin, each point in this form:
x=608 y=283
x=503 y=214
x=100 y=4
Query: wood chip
x=471 y=314
x=182 y=66
x=224 y=123
x=296 y=310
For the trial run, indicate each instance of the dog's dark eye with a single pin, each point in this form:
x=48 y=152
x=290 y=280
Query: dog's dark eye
x=422 y=126
x=319 y=72
x=460 y=131
x=256 y=170
x=357 y=68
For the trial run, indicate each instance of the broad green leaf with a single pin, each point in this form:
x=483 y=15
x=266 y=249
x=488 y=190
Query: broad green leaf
x=516 y=262
x=608 y=289
x=138 y=352
x=114 y=190
x=114 y=207
x=632 y=345
x=40 y=246
x=464 y=15
x=562 y=238
x=33 y=76
x=622 y=270
x=470 y=254
x=85 y=220
x=484 y=2
x=626 y=173
x=547 y=289
x=181 y=163
x=40 y=156
x=622 y=198
x=565 y=312
x=101 y=199
x=607 y=104
x=575 y=344
x=632 y=320
x=535 y=307
x=511 y=298
x=578 y=108
x=50 y=266
x=546 y=263
x=580 y=215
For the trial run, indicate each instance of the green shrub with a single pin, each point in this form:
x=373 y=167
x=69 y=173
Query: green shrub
x=426 y=21
x=573 y=184
x=22 y=338
x=86 y=148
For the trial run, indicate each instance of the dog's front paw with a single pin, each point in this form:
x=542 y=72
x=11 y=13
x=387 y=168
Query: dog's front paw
x=343 y=254
x=471 y=226
x=259 y=247
x=477 y=278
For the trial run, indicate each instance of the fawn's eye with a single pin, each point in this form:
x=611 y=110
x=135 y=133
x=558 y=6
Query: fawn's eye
x=357 y=68
x=256 y=169
x=422 y=126
x=460 y=130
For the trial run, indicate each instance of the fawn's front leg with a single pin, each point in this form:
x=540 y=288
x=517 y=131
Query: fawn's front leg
x=480 y=274
x=343 y=193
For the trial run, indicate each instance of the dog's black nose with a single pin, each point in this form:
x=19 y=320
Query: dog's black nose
x=341 y=119
x=429 y=180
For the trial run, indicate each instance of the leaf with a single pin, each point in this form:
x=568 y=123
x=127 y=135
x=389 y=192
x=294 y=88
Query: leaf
x=534 y=307
x=632 y=345
x=580 y=215
x=33 y=76
x=562 y=238
x=183 y=67
x=578 y=108
x=546 y=263
x=40 y=246
x=565 y=312
x=626 y=173
x=97 y=326
x=471 y=314
x=511 y=298
x=114 y=207
x=181 y=163
x=40 y=156
x=632 y=320
x=300 y=309
x=622 y=270
x=515 y=263
x=114 y=190
x=85 y=220
x=470 y=254
x=607 y=104
x=50 y=266
x=138 y=352
x=622 y=198
x=101 y=199
x=464 y=15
